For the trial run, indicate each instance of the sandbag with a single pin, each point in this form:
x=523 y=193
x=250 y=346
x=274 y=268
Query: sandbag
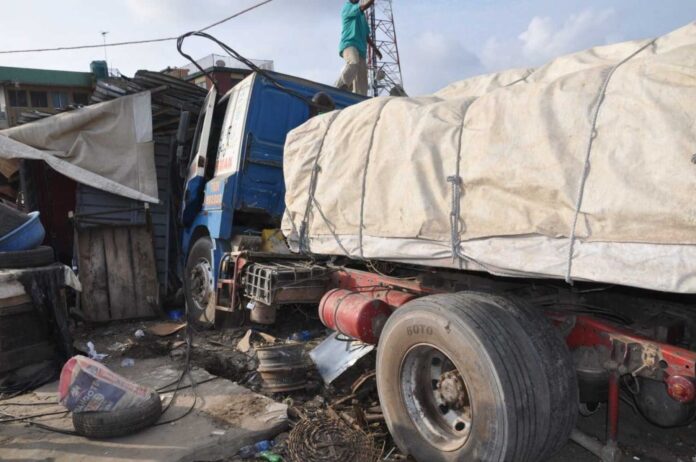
x=88 y=386
x=581 y=169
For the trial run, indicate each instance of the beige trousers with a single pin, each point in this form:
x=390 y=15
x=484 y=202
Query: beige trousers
x=354 y=75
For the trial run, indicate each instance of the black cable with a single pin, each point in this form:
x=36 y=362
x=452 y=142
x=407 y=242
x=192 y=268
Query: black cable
x=186 y=372
x=135 y=42
x=242 y=59
x=33 y=416
x=30 y=404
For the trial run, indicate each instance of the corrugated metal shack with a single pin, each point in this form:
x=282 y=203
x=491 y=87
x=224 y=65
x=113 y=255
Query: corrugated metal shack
x=125 y=250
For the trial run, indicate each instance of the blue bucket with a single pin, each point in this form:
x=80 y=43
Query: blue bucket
x=28 y=236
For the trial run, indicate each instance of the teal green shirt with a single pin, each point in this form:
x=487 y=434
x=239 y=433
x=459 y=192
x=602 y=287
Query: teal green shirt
x=355 y=29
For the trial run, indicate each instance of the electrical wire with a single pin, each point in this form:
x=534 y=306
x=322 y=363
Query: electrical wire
x=13 y=418
x=233 y=53
x=135 y=42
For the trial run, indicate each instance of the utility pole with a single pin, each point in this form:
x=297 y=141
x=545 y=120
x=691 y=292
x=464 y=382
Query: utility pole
x=385 y=74
x=103 y=34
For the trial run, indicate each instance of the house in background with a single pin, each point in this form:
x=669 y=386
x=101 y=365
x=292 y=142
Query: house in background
x=226 y=70
x=43 y=90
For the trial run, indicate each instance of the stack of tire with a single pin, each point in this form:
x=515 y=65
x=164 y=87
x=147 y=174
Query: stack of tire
x=27 y=349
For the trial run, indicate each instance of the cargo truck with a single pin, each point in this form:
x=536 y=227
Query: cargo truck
x=470 y=366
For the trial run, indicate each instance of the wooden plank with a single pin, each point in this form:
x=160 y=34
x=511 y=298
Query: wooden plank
x=119 y=272
x=14 y=301
x=145 y=271
x=92 y=266
x=25 y=356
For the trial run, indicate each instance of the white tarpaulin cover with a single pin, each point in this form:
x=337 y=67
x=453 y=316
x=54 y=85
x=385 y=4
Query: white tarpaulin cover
x=581 y=169
x=107 y=146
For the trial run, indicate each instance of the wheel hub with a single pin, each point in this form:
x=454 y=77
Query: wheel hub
x=201 y=283
x=436 y=397
x=452 y=390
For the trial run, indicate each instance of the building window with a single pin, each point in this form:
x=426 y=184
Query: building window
x=80 y=98
x=39 y=98
x=59 y=99
x=18 y=98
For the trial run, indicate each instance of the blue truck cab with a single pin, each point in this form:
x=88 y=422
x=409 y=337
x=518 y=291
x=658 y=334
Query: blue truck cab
x=234 y=184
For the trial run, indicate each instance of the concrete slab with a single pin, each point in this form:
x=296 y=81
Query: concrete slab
x=227 y=417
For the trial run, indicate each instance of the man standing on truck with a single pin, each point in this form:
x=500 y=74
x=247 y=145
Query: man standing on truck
x=355 y=37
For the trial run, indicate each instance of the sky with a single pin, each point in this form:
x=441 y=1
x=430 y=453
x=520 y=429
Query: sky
x=440 y=41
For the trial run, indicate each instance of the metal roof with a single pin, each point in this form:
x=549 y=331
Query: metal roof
x=46 y=77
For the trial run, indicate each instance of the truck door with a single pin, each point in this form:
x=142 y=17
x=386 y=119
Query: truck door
x=196 y=177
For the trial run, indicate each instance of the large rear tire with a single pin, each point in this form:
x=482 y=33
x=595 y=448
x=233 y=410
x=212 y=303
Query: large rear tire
x=471 y=376
x=198 y=283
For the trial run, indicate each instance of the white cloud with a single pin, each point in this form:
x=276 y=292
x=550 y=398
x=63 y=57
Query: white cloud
x=433 y=60
x=544 y=40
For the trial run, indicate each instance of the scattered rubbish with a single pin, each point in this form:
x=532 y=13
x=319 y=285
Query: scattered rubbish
x=92 y=352
x=117 y=346
x=283 y=367
x=253 y=449
x=302 y=336
x=333 y=356
x=139 y=333
x=91 y=391
x=327 y=438
x=218 y=432
x=164 y=329
x=269 y=456
x=127 y=362
x=244 y=345
x=176 y=315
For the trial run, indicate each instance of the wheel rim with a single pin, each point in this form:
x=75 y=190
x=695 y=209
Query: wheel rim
x=201 y=283
x=436 y=397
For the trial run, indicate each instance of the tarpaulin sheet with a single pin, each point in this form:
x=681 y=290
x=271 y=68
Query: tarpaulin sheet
x=107 y=146
x=581 y=169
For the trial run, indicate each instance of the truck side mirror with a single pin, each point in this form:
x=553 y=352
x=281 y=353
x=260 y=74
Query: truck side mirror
x=321 y=103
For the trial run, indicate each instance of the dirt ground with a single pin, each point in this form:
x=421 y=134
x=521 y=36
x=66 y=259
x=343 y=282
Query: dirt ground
x=214 y=352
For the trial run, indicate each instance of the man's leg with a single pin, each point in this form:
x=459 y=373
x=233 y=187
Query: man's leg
x=350 y=71
x=361 y=79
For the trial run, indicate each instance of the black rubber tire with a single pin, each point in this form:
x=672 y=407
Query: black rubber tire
x=518 y=371
x=122 y=422
x=201 y=249
x=40 y=256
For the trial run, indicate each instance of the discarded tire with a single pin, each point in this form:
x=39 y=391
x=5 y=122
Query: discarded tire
x=117 y=423
x=471 y=376
x=40 y=256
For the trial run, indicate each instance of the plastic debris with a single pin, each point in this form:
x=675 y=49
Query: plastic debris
x=252 y=450
x=92 y=352
x=269 y=456
x=217 y=432
x=302 y=336
x=139 y=333
x=176 y=315
x=127 y=362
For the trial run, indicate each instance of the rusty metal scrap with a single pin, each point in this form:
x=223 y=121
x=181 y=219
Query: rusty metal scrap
x=283 y=367
x=325 y=438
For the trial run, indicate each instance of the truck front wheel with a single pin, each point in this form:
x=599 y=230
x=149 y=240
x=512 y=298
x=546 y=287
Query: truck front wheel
x=198 y=283
x=472 y=376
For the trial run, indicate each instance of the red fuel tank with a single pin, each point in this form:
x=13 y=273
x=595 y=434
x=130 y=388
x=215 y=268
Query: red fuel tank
x=354 y=314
